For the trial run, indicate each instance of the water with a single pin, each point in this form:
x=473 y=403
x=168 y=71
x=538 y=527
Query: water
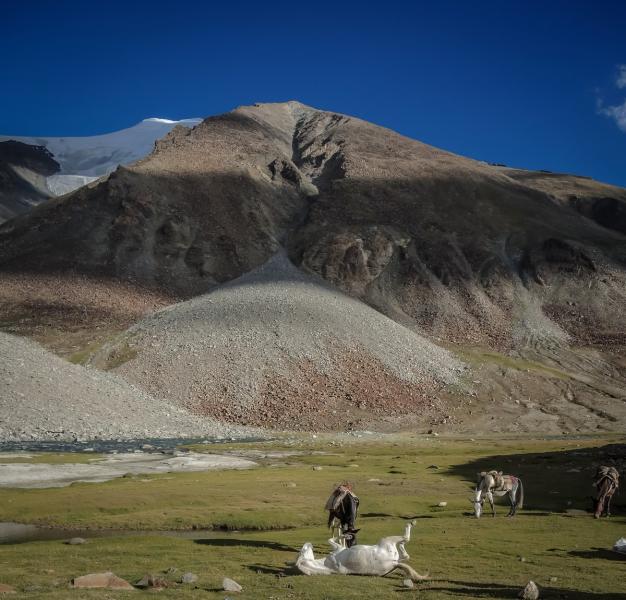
x=18 y=533
x=167 y=445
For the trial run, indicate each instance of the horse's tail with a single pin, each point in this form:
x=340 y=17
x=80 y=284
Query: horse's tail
x=411 y=572
x=331 y=518
x=520 y=494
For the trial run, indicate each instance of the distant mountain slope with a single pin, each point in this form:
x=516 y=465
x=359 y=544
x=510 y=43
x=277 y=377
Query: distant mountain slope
x=24 y=170
x=499 y=265
x=84 y=159
x=455 y=246
x=97 y=155
x=602 y=203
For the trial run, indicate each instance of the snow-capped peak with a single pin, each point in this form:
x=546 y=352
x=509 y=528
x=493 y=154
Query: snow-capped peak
x=84 y=159
x=170 y=122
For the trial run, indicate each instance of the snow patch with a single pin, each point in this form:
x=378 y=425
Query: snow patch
x=84 y=159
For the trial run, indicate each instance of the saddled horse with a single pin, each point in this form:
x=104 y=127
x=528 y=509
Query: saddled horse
x=343 y=507
x=494 y=483
x=606 y=482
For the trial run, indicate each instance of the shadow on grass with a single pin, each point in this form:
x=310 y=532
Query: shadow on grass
x=598 y=553
x=375 y=515
x=274 y=570
x=553 y=481
x=230 y=542
x=495 y=590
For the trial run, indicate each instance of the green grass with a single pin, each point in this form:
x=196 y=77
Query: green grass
x=466 y=558
x=122 y=353
x=51 y=458
x=478 y=356
x=82 y=356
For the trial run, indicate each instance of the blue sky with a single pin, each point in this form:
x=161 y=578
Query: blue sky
x=529 y=84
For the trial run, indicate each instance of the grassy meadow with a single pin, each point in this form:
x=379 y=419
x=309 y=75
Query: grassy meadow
x=262 y=517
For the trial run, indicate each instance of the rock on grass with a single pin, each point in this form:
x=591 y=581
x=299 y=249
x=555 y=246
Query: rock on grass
x=230 y=585
x=106 y=580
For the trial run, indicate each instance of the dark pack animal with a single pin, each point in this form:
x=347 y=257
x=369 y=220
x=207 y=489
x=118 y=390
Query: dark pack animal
x=606 y=482
x=343 y=508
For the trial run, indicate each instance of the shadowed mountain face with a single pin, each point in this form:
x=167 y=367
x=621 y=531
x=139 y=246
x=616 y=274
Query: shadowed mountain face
x=466 y=253
x=465 y=250
x=23 y=172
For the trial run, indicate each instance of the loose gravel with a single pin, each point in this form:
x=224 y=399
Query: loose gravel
x=43 y=397
x=277 y=347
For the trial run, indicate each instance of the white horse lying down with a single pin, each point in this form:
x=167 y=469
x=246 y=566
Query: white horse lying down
x=381 y=559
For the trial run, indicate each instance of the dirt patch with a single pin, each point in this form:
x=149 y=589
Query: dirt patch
x=359 y=392
x=70 y=314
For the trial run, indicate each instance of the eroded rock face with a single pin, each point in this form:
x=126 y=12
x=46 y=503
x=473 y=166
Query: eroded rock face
x=23 y=172
x=425 y=236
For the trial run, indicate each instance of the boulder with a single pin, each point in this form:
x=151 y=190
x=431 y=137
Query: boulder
x=530 y=592
x=230 y=585
x=76 y=541
x=189 y=578
x=106 y=580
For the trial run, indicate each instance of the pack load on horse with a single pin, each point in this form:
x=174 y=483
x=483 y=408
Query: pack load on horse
x=606 y=481
x=494 y=483
x=380 y=559
x=342 y=507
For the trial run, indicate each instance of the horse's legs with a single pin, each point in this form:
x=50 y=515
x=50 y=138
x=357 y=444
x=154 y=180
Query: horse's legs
x=338 y=535
x=608 y=504
x=493 y=506
x=512 y=501
x=402 y=553
x=412 y=573
x=602 y=497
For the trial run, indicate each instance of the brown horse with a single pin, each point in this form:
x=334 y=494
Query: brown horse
x=606 y=482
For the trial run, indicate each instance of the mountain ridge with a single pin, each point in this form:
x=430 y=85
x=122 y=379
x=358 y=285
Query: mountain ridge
x=499 y=266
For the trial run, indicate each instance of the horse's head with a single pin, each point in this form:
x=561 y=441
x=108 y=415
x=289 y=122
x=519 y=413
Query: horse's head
x=306 y=553
x=477 y=502
x=350 y=537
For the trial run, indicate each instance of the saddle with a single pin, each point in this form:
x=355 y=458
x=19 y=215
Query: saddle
x=604 y=472
x=338 y=495
x=498 y=479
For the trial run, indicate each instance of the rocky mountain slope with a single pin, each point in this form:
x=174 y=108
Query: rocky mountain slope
x=277 y=347
x=24 y=170
x=44 y=397
x=76 y=161
x=512 y=271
